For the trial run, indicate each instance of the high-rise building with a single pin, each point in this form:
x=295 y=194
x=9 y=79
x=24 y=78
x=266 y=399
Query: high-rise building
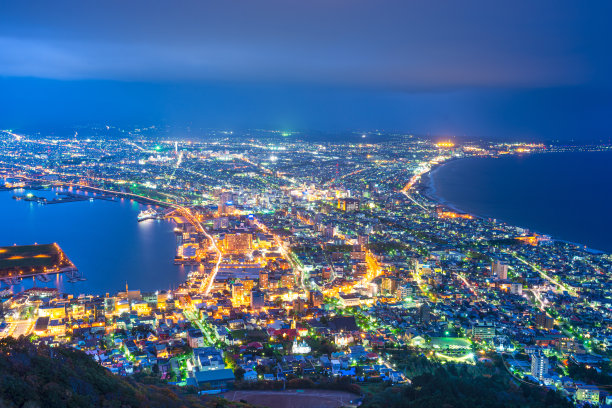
x=287 y=281
x=500 y=270
x=161 y=299
x=348 y=204
x=544 y=321
x=363 y=240
x=516 y=288
x=588 y=394
x=315 y=299
x=248 y=284
x=539 y=365
x=226 y=196
x=110 y=303
x=329 y=231
x=263 y=280
x=299 y=305
x=258 y=299
x=404 y=292
x=425 y=313
x=226 y=202
x=221 y=223
x=389 y=285
x=195 y=338
x=237 y=294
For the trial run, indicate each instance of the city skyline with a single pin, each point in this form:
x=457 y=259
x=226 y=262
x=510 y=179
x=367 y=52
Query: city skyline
x=294 y=204
x=296 y=264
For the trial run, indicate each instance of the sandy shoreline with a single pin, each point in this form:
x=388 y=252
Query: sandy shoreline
x=427 y=188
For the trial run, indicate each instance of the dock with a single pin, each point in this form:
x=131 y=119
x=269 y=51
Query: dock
x=64 y=197
x=37 y=262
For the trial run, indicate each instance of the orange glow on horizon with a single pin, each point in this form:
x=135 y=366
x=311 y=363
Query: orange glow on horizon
x=445 y=144
x=452 y=214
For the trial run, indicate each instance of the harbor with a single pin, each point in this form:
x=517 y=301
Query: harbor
x=62 y=197
x=102 y=237
x=37 y=262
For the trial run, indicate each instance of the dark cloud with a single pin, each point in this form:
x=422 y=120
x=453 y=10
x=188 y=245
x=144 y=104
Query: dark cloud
x=483 y=68
x=372 y=43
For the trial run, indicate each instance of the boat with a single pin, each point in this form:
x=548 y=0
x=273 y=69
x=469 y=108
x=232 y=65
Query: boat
x=149 y=214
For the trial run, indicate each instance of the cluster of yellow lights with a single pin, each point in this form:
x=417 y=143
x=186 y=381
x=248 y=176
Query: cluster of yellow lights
x=451 y=214
x=445 y=144
x=531 y=240
x=473 y=149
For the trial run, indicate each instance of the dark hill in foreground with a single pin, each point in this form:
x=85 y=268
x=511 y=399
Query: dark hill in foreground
x=33 y=377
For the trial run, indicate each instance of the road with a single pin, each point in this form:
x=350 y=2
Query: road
x=543 y=274
x=189 y=216
x=414 y=201
x=118 y=193
x=284 y=252
x=206 y=331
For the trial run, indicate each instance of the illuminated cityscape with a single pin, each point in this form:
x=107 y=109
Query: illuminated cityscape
x=308 y=259
x=305 y=204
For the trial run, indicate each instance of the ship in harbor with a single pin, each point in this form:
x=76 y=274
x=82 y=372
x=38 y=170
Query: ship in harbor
x=149 y=214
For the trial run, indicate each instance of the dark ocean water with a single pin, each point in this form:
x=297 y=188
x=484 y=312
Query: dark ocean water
x=565 y=195
x=102 y=238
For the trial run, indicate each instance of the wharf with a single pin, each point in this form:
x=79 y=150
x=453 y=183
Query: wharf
x=64 y=197
x=28 y=261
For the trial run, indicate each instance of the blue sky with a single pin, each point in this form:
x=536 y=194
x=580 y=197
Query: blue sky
x=520 y=69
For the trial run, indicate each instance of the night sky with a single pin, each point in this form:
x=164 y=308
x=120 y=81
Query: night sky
x=487 y=69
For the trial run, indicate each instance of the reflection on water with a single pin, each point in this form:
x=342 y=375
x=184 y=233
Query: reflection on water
x=102 y=238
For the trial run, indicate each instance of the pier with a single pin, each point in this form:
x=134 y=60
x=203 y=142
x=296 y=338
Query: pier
x=37 y=262
x=63 y=197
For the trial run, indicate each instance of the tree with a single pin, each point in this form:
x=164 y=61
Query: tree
x=239 y=373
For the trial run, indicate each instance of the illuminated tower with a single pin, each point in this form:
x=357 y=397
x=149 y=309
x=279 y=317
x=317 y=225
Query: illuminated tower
x=500 y=270
x=263 y=280
x=237 y=294
x=539 y=365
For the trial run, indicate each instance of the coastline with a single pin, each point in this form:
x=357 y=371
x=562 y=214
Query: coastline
x=426 y=187
x=147 y=239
